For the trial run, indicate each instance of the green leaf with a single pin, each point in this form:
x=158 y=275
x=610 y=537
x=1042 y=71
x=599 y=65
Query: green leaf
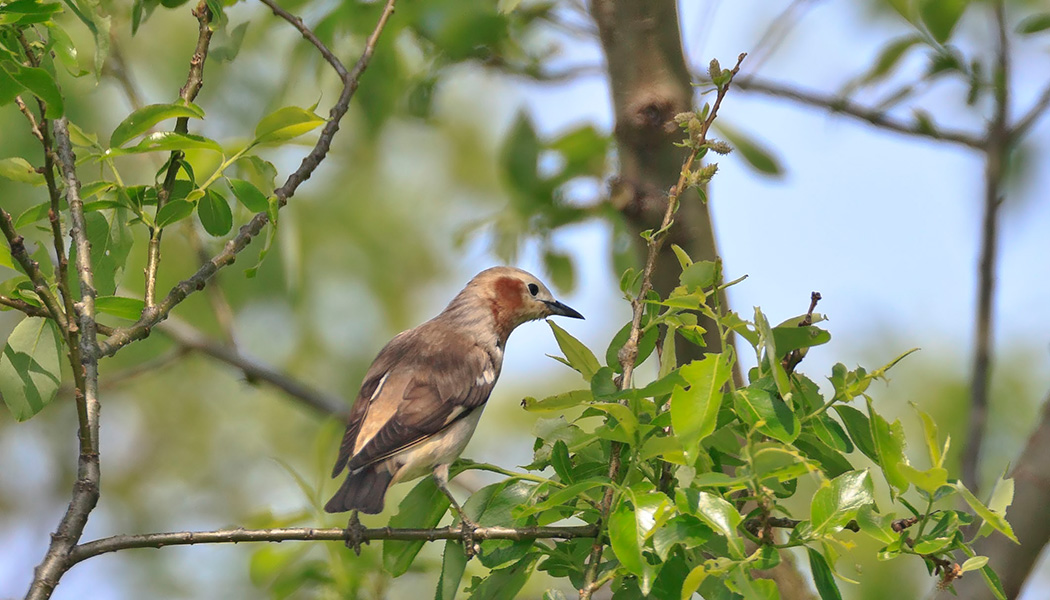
x=836 y=503
x=693 y=580
x=996 y=521
x=167 y=141
x=33 y=214
x=5 y=256
x=249 y=195
x=822 y=577
x=941 y=16
x=859 y=429
x=772 y=355
x=453 y=565
x=1034 y=24
x=42 y=85
x=767 y=413
x=890 y=445
x=30 y=367
x=506 y=582
x=110 y=247
x=723 y=518
x=285 y=124
x=646 y=345
x=878 y=526
x=929 y=430
x=558 y=402
x=118 y=306
x=1001 y=498
x=422 y=508
x=520 y=154
x=694 y=411
x=788 y=338
x=214 y=212
x=623 y=415
x=143 y=119
x=624 y=538
x=579 y=356
x=19 y=169
x=173 y=212
x=758 y=157
x=889 y=57
x=972 y=564
x=928 y=481
x=699 y=275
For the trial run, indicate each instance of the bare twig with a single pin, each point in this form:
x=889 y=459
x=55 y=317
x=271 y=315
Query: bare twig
x=188 y=337
x=996 y=147
x=629 y=352
x=25 y=307
x=152 y=316
x=847 y=107
x=194 y=81
x=233 y=536
x=1026 y=122
x=86 y=489
x=33 y=126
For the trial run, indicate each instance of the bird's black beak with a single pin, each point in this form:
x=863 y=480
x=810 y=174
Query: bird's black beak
x=557 y=308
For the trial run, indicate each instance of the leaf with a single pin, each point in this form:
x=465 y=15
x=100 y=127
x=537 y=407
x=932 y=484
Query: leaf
x=693 y=580
x=110 y=247
x=18 y=169
x=941 y=16
x=694 y=412
x=1001 y=498
x=579 y=356
x=889 y=57
x=767 y=413
x=42 y=85
x=795 y=338
x=558 y=402
x=422 y=508
x=859 y=429
x=972 y=564
x=928 y=481
x=30 y=367
x=758 y=157
x=519 y=155
x=453 y=565
x=836 y=503
x=173 y=212
x=214 y=213
x=822 y=577
x=167 y=141
x=646 y=345
x=285 y=124
x=996 y=521
x=143 y=119
x=125 y=308
x=506 y=582
x=624 y=538
x=623 y=415
x=878 y=526
x=1034 y=24
x=699 y=275
x=929 y=430
x=720 y=516
x=890 y=445
x=5 y=256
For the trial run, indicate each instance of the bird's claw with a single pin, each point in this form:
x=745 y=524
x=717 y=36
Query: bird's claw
x=466 y=529
x=355 y=534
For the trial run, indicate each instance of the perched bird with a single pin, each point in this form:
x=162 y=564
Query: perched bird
x=421 y=399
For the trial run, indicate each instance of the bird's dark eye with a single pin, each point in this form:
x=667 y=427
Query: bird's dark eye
x=534 y=289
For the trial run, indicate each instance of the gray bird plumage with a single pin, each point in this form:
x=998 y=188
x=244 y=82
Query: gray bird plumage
x=421 y=399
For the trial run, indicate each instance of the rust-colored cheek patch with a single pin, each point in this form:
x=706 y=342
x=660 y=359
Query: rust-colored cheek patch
x=507 y=303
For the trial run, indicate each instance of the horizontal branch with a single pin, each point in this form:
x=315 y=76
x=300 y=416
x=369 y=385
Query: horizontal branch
x=238 y=535
x=838 y=104
x=23 y=306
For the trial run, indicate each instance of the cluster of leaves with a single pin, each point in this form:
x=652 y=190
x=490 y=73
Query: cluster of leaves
x=713 y=469
x=116 y=204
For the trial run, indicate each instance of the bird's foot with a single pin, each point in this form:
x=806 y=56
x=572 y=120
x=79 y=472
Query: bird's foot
x=467 y=528
x=355 y=534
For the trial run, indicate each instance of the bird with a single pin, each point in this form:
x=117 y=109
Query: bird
x=422 y=397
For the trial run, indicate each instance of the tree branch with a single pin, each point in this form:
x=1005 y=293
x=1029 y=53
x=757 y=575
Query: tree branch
x=31 y=268
x=996 y=147
x=194 y=81
x=239 y=535
x=629 y=353
x=189 y=338
x=25 y=307
x=1022 y=127
x=86 y=488
x=151 y=316
x=837 y=104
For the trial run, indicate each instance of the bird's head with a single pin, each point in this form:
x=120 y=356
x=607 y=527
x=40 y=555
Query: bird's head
x=515 y=297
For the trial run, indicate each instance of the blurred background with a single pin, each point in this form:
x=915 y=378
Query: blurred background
x=420 y=192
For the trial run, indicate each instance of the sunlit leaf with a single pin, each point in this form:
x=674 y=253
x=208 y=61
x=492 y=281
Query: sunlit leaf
x=285 y=124
x=30 y=367
x=143 y=119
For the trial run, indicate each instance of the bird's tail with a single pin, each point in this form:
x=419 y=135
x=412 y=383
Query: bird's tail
x=363 y=490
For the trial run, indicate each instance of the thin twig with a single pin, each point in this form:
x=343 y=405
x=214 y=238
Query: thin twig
x=25 y=307
x=190 y=338
x=86 y=489
x=629 y=352
x=238 y=535
x=997 y=146
x=836 y=104
x=196 y=282
x=31 y=268
x=194 y=81
x=33 y=126
x=1038 y=109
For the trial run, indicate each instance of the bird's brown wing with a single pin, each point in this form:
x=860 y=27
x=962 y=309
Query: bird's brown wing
x=417 y=386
